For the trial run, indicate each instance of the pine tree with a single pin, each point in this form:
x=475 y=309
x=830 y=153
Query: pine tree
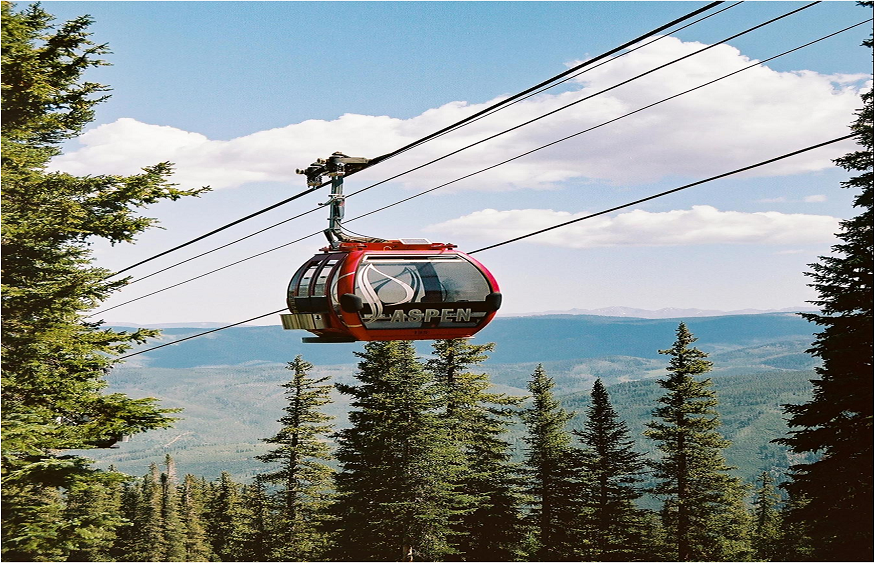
x=53 y=360
x=767 y=519
x=551 y=467
x=794 y=543
x=837 y=423
x=304 y=481
x=191 y=513
x=610 y=484
x=150 y=544
x=490 y=528
x=258 y=537
x=703 y=513
x=395 y=495
x=93 y=515
x=125 y=546
x=225 y=519
x=171 y=529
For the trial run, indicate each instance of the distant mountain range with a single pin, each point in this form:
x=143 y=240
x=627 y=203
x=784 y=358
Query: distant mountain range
x=664 y=313
x=228 y=382
x=537 y=338
x=629 y=312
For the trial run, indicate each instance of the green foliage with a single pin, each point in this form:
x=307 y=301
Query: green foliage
x=303 y=481
x=93 y=514
x=610 y=484
x=837 y=423
x=54 y=362
x=225 y=526
x=490 y=528
x=767 y=520
x=192 y=512
x=703 y=512
x=395 y=494
x=550 y=468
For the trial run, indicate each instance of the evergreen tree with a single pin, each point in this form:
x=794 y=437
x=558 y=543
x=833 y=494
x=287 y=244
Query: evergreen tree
x=836 y=423
x=610 y=484
x=490 y=528
x=257 y=526
x=127 y=537
x=551 y=467
x=703 y=513
x=225 y=519
x=767 y=519
x=304 y=481
x=53 y=361
x=171 y=529
x=149 y=520
x=93 y=514
x=197 y=547
x=794 y=543
x=395 y=494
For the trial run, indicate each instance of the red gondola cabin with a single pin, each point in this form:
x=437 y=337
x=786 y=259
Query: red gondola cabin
x=391 y=290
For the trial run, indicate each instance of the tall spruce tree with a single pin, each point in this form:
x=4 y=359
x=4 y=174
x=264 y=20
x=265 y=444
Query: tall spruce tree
x=172 y=531
x=704 y=515
x=126 y=543
x=395 y=489
x=837 y=423
x=551 y=470
x=93 y=515
x=258 y=525
x=191 y=513
x=767 y=520
x=304 y=481
x=225 y=519
x=150 y=544
x=53 y=360
x=611 y=483
x=490 y=529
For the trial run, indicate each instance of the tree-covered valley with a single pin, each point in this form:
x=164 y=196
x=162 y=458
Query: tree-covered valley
x=230 y=405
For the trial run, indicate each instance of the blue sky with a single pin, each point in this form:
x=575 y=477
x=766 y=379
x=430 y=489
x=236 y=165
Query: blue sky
x=239 y=94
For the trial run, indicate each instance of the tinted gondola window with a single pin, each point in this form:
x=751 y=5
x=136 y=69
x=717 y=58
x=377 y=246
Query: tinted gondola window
x=421 y=291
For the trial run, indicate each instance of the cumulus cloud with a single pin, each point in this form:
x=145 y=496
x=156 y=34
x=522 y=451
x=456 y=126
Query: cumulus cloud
x=752 y=116
x=702 y=224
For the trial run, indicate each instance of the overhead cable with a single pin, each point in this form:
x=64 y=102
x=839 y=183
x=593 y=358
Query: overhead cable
x=661 y=194
x=515 y=239
x=457 y=151
x=427 y=137
x=203 y=333
x=755 y=64
x=588 y=69
x=527 y=91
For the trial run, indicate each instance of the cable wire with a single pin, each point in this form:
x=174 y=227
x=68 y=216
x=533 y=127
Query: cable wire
x=535 y=90
x=202 y=333
x=755 y=64
x=473 y=144
x=584 y=71
x=560 y=225
x=661 y=194
x=568 y=105
x=427 y=138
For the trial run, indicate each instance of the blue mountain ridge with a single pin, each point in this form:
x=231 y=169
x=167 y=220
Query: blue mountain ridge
x=518 y=340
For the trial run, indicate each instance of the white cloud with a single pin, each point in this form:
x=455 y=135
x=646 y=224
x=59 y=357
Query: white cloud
x=752 y=116
x=702 y=224
x=814 y=198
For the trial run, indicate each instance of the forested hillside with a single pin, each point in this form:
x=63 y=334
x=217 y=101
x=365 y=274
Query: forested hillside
x=230 y=405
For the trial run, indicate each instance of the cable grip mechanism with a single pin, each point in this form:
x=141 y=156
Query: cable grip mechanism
x=335 y=167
